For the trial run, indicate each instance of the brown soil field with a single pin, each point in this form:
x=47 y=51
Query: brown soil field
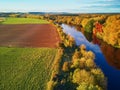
x=29 y=35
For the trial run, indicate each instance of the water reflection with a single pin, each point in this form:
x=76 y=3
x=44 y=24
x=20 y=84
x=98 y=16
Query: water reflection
x=88 y=36
x=111 y=54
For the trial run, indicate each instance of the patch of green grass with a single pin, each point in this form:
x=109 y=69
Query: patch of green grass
x=24 y=21
x=25 y=68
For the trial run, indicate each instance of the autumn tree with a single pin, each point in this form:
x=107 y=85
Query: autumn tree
x=81 y=76
x=66 y=66
x=85 y=86
x=111 y=31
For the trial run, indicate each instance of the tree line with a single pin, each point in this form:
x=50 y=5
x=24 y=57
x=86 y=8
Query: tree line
x=103 y=26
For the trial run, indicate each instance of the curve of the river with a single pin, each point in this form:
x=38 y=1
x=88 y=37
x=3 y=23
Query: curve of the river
x=106 y=57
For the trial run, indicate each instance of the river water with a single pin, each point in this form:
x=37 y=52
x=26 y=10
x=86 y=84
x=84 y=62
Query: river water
x=106 y=57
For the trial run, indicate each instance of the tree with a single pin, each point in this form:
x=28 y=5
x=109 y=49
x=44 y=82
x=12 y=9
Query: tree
x=51 y=85
x=2 y=20
x=80 y=76
x=76 y=55
x=14 y=15
x=85 y=86
x=111 y=30
x=90 y=63
x=88 y=55
x=84 y=21
x=99 y=76
x=66 y=66
x=89 y=26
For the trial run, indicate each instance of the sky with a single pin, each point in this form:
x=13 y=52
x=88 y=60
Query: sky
x=71 y=6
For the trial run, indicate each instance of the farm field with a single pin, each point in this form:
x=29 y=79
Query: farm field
x=29 y=35
x=25 y=68
x=24 y=21
x=26 y=32
x=27 y=50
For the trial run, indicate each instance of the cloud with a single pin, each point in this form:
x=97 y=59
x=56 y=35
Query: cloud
x=104 y=0
x=94 y=5
x=106 y=6
x=107 y=0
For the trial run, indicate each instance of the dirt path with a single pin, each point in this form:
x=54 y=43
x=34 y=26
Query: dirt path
x=29 y=35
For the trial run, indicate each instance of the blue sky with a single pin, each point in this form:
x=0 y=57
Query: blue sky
x=73 y=6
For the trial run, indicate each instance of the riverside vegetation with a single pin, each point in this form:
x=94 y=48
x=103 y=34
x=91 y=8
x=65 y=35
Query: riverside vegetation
x=74 y=68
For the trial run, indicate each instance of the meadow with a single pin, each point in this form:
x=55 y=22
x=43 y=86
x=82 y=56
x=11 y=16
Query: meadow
x=25 y=68
x=11 y=20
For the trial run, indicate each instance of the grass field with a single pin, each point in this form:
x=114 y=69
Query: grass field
x=24 y=21
x=25 y=68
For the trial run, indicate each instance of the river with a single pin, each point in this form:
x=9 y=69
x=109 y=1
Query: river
x=106 y=56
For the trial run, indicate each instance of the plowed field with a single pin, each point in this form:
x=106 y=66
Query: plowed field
x=28 y=35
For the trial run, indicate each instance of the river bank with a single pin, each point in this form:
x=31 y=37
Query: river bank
x=110 y=66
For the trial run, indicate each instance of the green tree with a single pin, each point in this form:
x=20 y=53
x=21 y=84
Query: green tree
x=89 y=26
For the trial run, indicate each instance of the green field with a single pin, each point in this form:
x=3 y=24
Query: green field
x=25 y=68
x=24 y=21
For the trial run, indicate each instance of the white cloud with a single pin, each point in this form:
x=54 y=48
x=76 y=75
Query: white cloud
x=106 y=0
x=93 y=5
x=109 y=0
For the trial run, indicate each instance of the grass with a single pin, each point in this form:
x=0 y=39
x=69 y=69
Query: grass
x=25 y=68
x=24 y=21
